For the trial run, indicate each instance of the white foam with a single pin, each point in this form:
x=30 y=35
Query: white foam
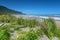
x=46 y=17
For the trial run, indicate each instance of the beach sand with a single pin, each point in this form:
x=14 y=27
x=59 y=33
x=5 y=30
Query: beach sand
x=58 y=24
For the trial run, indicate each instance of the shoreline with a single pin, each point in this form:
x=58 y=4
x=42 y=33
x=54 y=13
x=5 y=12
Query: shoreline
x=42 y=17
x=57 y=19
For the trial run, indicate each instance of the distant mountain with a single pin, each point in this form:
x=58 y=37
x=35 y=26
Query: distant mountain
x=9 y=11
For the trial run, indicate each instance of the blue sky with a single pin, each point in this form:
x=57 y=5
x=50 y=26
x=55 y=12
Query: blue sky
x=39 y=7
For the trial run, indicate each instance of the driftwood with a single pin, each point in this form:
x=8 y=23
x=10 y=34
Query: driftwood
x=1 y=24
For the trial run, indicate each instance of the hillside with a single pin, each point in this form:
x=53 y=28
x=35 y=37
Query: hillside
x=9 y=11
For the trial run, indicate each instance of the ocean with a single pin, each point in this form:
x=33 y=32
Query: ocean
x=55 y=17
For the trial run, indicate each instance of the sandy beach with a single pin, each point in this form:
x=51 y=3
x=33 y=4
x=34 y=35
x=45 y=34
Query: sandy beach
x=58 y=24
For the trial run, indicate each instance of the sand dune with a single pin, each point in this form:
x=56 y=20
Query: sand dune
x=58 y=24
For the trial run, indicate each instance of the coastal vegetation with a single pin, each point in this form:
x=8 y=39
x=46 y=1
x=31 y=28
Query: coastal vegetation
x=27 y=29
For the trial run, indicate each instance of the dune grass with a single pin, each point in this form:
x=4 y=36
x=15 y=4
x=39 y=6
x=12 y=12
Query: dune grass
x=47 y=27
x=4 y=33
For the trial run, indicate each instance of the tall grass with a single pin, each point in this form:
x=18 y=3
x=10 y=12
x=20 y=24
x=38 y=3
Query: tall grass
x=30 y=35
x=27 y=22
x=47 y=27
x=4 y=33
x=7 y=19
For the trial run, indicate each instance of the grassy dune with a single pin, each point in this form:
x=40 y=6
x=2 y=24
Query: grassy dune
x=27 y=29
